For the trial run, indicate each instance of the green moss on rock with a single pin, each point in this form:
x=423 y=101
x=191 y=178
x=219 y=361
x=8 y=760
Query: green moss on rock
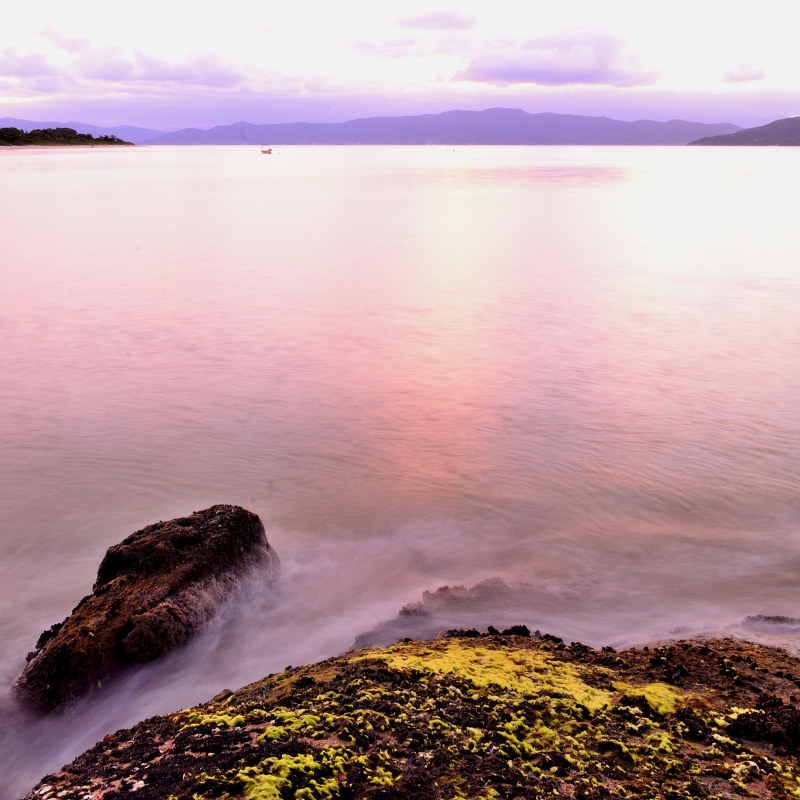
x=469 y=718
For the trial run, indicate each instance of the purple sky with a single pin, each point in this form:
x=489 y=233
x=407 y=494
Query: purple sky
x=174 y=65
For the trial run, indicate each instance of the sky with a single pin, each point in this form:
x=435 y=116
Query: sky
x=169 y=64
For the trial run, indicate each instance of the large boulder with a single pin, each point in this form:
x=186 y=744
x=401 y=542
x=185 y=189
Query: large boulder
x=154 y=591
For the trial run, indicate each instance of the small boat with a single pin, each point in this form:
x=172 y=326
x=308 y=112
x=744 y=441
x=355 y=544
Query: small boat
x=266 y=150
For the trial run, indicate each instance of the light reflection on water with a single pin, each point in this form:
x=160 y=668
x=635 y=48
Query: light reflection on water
x=572 y=367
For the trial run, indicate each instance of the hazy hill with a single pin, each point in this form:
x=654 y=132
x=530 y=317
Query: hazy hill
x=130 y=133
x=781 y=132
x=492 y=126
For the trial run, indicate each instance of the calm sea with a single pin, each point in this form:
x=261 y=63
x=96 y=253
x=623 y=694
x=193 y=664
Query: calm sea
x=577 y=368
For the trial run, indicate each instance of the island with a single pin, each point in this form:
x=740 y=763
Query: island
x=56 y=137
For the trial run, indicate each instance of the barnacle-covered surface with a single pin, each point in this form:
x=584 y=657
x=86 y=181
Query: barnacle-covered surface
x=474 y=716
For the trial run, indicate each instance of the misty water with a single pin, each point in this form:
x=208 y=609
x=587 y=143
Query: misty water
x=576 y=369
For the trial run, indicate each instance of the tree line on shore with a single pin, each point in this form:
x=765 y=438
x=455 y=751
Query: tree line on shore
x=54 y=136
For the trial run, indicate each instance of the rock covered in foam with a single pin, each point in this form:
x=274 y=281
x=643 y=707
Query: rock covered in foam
x=154 y=591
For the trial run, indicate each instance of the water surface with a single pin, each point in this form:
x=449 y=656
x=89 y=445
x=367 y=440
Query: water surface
x=577 y=368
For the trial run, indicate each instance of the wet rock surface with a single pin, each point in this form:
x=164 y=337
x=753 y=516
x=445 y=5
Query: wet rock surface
x=451 y=607
x=154 y=591
x=473 y=716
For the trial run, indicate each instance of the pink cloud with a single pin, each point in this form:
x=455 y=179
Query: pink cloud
x=577 y=57
x=71 y=44
x=744 y=73
x=394 y=48
x=440 y=21
x=201 y=69
x=107 y=64
x=110 y=64
x=48 y=84
x=100 y=69
x=14 y=64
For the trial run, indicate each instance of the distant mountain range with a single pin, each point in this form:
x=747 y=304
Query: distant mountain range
x=492 y=126
x=785 y=132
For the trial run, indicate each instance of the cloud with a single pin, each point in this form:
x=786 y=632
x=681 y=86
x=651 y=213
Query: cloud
x=744 y=73
x=14 y=64
x=439 y=21
x=71 y=44
x=102 y=71
x=394 y=48
x=110 y=64
x=48 y=85
x=576 y=57
x=106 y=64
x=200 y=69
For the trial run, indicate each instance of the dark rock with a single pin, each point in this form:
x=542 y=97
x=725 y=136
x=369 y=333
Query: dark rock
x=767 y=620
x=154 y=591
x=766 y=700
x=693 y=723
x=464 y=717
x=775 y=722
x=521 y=630
x=456 y=608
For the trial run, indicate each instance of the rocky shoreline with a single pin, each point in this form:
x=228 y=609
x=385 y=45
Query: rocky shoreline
x=412 y=713
x=473 y=715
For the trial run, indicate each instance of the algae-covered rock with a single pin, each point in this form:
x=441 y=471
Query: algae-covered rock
x=154 y=591
x=473 y=717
